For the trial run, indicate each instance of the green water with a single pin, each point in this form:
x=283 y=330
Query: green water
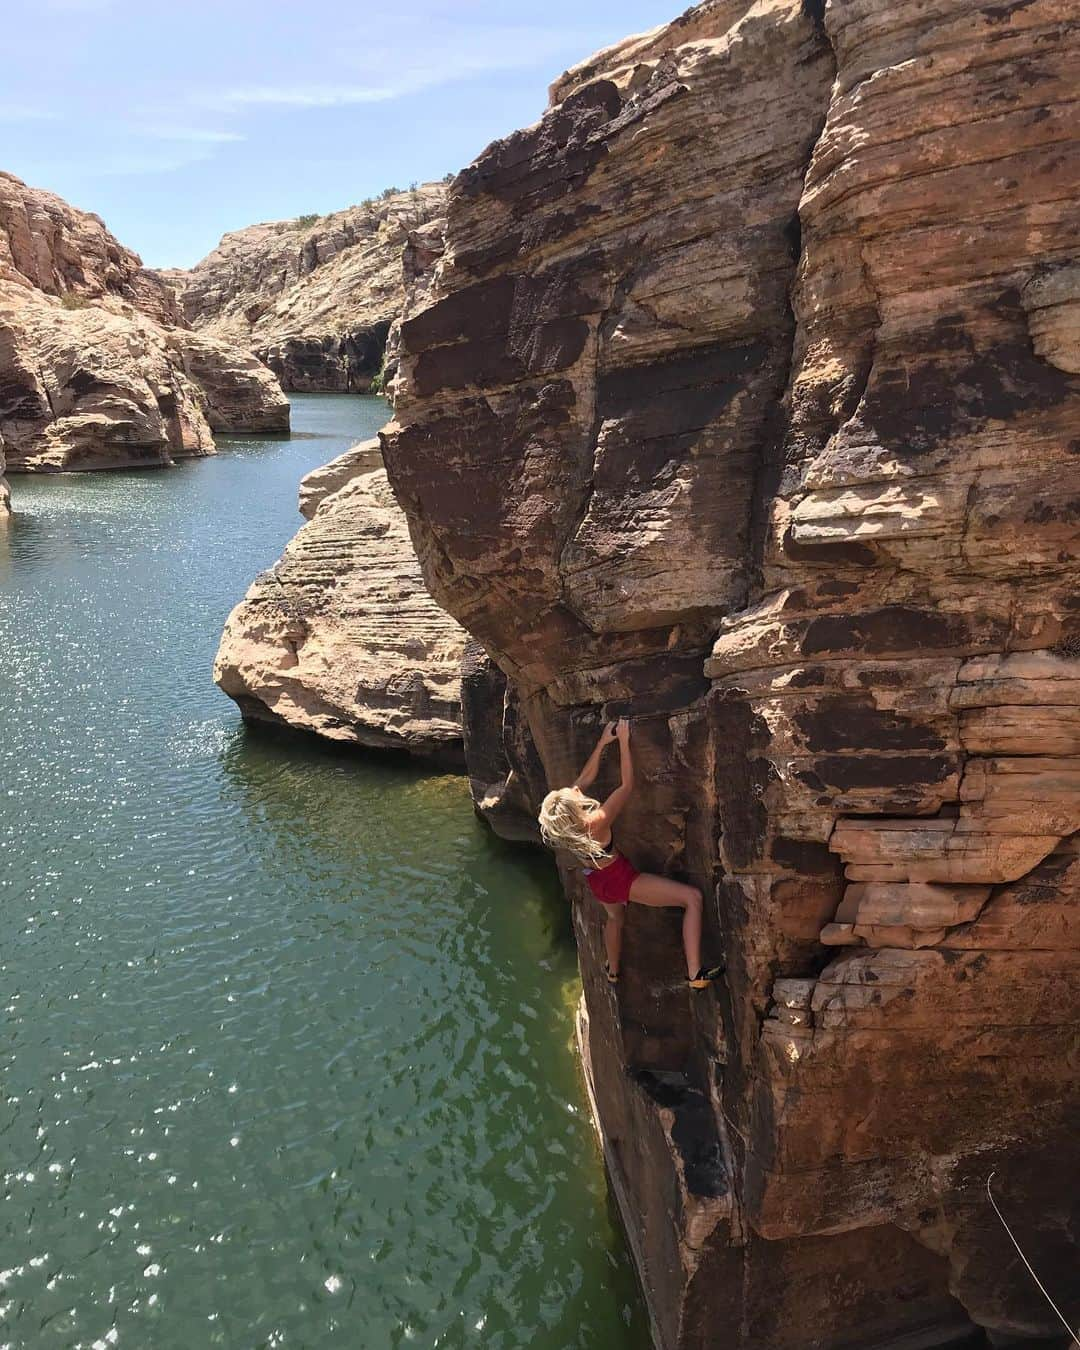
x=286 y=1053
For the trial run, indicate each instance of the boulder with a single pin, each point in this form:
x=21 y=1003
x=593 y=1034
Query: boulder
x=241 y=394
x=323 y=482
x=341 y=638
x=88 y=388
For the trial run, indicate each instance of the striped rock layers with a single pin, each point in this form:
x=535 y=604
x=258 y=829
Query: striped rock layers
x=98 y=368
x=314 y=298
x=743 y=396
x=340 y=636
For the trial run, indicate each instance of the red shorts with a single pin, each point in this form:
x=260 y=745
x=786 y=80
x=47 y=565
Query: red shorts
x=611 y=884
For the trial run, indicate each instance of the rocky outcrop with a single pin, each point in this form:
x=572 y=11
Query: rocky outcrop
x=743 y=397
x=97 y=366
x=241 y=394
x=323 y=482
x=314 y=298
x=341 y=637
x=89 y=389
x=53 y=247
x=506 y=775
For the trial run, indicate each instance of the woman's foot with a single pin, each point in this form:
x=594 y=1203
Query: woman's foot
x=612 y=975
x=705 y=976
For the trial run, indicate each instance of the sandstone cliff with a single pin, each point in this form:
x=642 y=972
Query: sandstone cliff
x=98 y=368
x=340 y=637
x=315 y=297
x=744 y=397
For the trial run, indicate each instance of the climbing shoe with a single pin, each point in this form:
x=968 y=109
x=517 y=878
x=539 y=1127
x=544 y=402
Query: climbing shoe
x=705 y=977
x=612 y=975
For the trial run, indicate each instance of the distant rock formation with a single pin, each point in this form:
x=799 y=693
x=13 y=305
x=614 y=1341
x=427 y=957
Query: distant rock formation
x=91 y=389
x=98 y=368
x=744 y=397
x=241 y=394
x=313 y=298
x=340 y=637
x=49 y=245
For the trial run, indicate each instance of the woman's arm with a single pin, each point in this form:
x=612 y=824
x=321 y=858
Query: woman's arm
x=587 y=776
x=618 y=799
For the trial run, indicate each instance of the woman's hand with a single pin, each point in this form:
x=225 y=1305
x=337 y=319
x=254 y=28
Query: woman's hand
x=608 y=734
x=622 y=731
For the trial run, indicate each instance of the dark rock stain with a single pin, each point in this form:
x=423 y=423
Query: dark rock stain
x=839 y=723
x=892 y=628
x=846 y=772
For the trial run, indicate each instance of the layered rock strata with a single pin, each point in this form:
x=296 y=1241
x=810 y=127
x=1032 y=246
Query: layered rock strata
x=340 y=637
x=97 y=366
x=241 y=395
x=313 y=298
x=743 y=397
x=90 y=389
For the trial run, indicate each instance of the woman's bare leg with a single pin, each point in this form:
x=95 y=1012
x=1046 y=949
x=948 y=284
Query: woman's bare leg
x=662 y=893
x=613 y=930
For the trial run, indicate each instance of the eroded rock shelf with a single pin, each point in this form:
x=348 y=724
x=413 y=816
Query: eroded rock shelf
x=340 y=637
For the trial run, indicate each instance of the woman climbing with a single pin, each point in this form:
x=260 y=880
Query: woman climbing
x=581 y=825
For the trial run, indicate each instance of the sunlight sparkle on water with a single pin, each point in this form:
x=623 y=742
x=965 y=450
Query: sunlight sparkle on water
x=265 y=1049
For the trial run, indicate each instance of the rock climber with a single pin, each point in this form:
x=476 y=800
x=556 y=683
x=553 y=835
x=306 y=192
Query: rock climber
x=582 y=826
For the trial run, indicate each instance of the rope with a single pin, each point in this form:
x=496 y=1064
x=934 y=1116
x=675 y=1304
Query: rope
x=1031 y=1270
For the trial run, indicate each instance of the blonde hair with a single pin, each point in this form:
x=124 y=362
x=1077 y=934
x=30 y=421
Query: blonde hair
x=562 y=825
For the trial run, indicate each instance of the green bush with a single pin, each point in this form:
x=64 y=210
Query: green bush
x=73 y=301
x=305 y=222
x=378 y=383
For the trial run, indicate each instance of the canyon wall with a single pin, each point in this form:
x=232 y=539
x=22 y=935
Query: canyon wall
x=98 y=368
x=740 y=394
x=315 y=297
x=340 y=637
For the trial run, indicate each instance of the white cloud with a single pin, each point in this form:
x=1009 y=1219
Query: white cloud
x=192 y=135
x=439 y=56
x=123 y=163
x=311 y=96
x=25 y=112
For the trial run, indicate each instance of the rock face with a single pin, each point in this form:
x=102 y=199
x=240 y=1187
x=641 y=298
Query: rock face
x=340 y=637
x=321 y=483
x=59 y=250
x=314 y=298
x=97 y=366
x=743 y=397
x=90 y=389
x=241 y=394
x=506 y=775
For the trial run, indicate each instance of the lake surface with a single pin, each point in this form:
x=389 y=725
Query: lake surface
x=286 y=1057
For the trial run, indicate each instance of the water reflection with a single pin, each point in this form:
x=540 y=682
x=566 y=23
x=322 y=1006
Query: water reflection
x=287 y=1030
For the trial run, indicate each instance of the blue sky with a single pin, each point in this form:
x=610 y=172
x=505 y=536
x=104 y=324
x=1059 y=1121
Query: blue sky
x=176 y=120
